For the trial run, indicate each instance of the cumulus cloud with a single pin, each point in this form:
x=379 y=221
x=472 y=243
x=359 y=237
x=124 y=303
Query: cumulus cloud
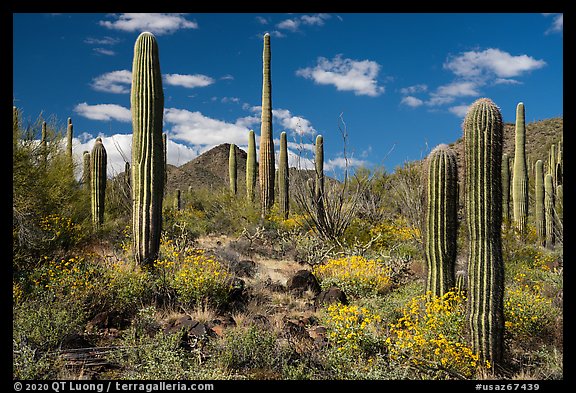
x=188 y=81
x=117 y=82
x=359 y=76
x=102 y=41
x=491 y=62
x=414 y=89
x=412 y=101
x=103 y=112
x=297 y=124
x=293 y=24
x=160 y=24
x=341 y=163
x=198 y=129
x=459 y=110
x=104 y=51
x=557 y=23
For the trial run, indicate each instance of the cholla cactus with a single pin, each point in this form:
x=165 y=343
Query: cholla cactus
x=441 y=220
x=483 y=133
x=148 y=154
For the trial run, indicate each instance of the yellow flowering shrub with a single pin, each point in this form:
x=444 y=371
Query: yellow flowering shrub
x=392 y=232
x=356 y=275
x=527 y=313
x=70 y=277
x=349 y=326
x=61 y=231
x=194 y=275
x=429 y=336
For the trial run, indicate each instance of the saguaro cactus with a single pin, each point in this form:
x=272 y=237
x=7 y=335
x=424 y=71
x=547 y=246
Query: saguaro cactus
x=44 y=145
x=506 y=187
x=520 y=179
x=267 y=167
x=549 y=210
x=232 y=169
x=98 y=163
x=147 y=106
x=441 y=220
x=251 y=166
x=86 y=176
x=69 y=136
x=483 y=160
x=178 y=200
x=539 y=210
x=283 y=178
x=165 y=156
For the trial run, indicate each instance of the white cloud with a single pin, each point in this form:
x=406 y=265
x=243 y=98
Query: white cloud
x=287 y=120
x=412 y=101
x=459 y=110
x=557 y=23
x=104 y=51
x=262 y=20
x=188 y=81
x=162 y=23
x=117 y=82
x=341 y=163
x=102 y=41
x=197 y=129
x=414 y=89
x=491 y=62
x=293 y=24
x=104 y=112
x=358 y=76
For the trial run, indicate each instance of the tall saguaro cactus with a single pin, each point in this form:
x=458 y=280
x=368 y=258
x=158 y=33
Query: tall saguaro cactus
x=549 y=210
x=283 y=178
x=251 y=166
x=98 y=163
x=520 y=179
x=69 y=136
x=441 y=220
x=232 y=169
x=86 y=176
x=539 y=208
x=267 y=167
x=506 y=187
x=483 y=133
x=147 y=107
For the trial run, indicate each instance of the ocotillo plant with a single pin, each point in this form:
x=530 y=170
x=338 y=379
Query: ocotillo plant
x=520 y=179
x=232 y=169
x=267 y=167
x=147 y=107
x=539 y=210
x=319 y=169
x=86 y=176
x=251 y=166
x=549 y=211
x=441 y=220
x=98 y=163
x=483 y=133
x=283 y=178
x=506 y=187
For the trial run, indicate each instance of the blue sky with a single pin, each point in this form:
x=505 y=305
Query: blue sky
x=400 y=82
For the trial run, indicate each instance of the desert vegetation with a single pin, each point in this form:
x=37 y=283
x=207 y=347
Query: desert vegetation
x=450 y=267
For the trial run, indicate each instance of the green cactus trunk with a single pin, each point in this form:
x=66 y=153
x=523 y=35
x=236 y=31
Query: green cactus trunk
x=86 y=176
x=98 y=163
x=283 y=178
x=552 y=160
x=165 y=156
x=539 y=210
x=251 y=166
x=232 y=169
x=441 y=220
x=267 y=167
x=506 y=188
x=483 y=133
x=69 y=137
x=520 y=179
x=549 y=211
x=148 y=156
x=178 y=200
x=559 y=205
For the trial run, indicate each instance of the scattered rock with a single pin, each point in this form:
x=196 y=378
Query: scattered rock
x=329 y=296
x=302 y=281
x=219 y=324
x=318 y=334
x=274 y=286
x=244 y=268
x=189 y=327
x=106 y=320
